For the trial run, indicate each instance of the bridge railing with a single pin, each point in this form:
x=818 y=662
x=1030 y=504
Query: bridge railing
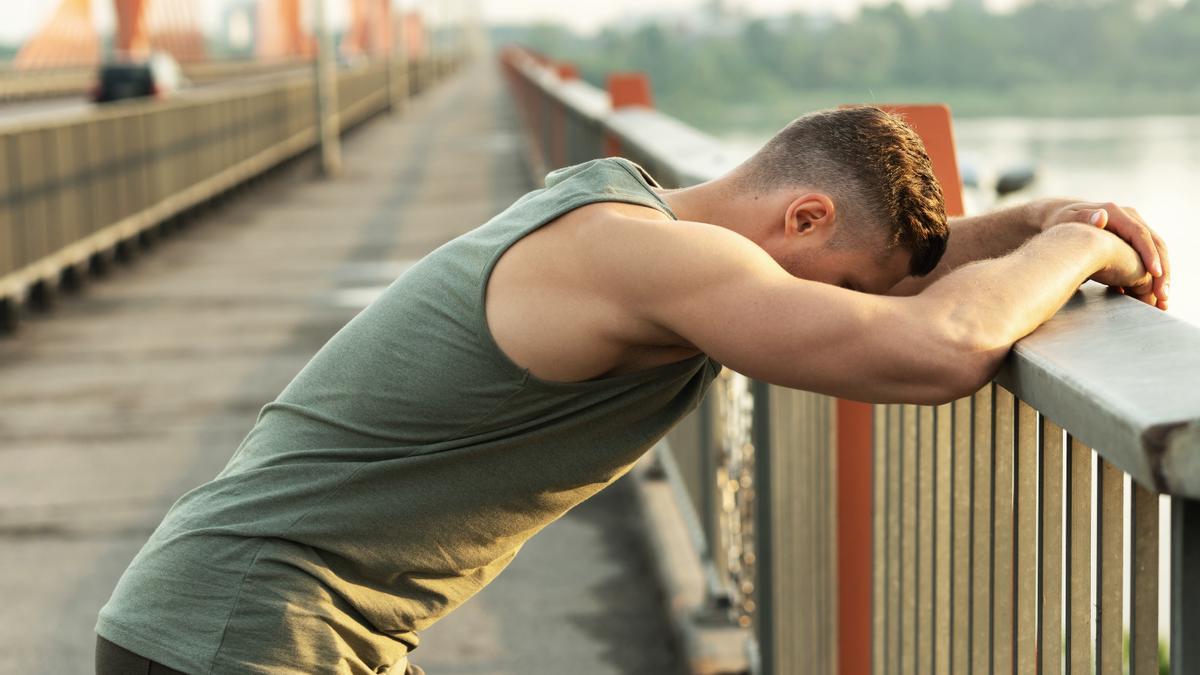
x=75 y=189
x=33 y=83
x=1013 y=531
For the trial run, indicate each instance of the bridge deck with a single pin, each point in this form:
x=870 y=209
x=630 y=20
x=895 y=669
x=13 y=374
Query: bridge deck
x=121 y=400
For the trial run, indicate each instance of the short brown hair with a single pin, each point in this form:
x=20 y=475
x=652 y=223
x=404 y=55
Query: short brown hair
x=873 y=165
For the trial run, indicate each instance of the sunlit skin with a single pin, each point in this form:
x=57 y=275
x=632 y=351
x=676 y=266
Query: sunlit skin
x=753 y=280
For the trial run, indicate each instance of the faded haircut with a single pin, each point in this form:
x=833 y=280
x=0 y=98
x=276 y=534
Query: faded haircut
x=873 y=166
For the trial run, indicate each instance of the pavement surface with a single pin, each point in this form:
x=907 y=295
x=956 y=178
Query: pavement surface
x=122 y=399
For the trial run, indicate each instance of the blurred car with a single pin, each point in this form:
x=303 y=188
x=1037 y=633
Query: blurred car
x=158 y=76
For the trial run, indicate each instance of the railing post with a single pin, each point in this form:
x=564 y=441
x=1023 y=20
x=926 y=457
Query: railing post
x=854 y=557
x=625 y=90
x=764 y=623
x=716 y=598
x=1185 y=585
x=328 y=139
x=566 y=72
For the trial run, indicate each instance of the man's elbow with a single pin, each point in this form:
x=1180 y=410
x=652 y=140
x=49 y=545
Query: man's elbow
x=960 y=361
x=967 y=366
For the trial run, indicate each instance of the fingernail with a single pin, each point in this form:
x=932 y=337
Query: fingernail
x=1095 y=219
x=1166 y=290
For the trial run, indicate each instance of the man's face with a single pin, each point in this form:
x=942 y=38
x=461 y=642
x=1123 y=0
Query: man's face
x=811 y=245
x=857 y=267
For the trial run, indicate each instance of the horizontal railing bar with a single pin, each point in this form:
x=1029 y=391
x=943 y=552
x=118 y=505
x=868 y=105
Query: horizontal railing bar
x=1113 y=372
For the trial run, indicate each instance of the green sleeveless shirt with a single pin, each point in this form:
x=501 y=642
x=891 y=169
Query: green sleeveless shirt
x=399 y=472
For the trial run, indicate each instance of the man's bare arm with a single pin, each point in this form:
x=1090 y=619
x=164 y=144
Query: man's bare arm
x=1000 y=232
x=723 y=294
x=979 y=237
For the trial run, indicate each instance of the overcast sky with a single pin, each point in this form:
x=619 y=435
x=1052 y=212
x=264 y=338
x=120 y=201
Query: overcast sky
x=19 y=18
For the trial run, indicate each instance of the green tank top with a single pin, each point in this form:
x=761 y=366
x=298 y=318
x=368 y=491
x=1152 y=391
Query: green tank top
x=399 y=472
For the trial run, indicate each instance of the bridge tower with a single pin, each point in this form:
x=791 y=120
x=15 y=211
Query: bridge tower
x=159 y=25
x=278 y=31
x=370 y=30
x=133 y=35
x=68 y=39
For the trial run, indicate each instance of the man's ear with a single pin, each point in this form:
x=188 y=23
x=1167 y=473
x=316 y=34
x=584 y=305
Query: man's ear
x=810 y=214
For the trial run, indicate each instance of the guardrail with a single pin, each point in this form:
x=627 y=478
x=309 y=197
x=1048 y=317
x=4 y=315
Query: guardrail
x=913 y=539
x=33 y=83
x=75 y=190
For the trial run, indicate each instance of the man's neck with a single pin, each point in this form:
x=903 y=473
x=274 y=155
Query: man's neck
x=717 y=203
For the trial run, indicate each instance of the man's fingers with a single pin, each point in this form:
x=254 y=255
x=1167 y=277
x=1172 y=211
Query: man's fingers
x=1148 y=298
x=1162 y=286
x=1127 y=224
x=1142 y=289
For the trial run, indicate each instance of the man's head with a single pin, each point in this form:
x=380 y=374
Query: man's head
x=855 y=199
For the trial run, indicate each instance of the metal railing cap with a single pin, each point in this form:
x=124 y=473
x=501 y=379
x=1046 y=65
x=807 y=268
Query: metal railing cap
x=1122 y=377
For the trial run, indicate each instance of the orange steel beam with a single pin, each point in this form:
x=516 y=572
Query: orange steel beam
x=932 y=123
x=412 y=27
x=854 y=536
x=68 y=38
x=279 y=35
x=355 y=40
x=624 y=89
x=370 y=28
x=174 y=27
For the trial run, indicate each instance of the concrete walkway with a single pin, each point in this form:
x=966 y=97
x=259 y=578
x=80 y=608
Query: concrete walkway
x=121 y=400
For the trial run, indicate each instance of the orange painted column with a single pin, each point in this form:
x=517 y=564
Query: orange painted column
x=854 y=536
x=278 y=31
x=854 y=426
x=133 y=34
x=933 y=124
x=625 y=90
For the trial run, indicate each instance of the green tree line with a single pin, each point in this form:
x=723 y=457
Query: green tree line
x=1046 y=57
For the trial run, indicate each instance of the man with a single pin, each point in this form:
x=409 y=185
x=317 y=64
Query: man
x=522 y=367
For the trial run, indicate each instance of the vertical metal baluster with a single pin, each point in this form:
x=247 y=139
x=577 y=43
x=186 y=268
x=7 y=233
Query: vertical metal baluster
x=1143 y=582
x=1050 y=543
x=943 y=506
x=1025 y=513
x=924 y=519
x=895 y=482
x=960 y=604
x=1110 y=496
x=981 y=534
x=908 y=542
x=833 y=576
x=1079 y=557
x=811 y=556
x=763 y=541
x=1185 y=585
x=879 y=556
x=1002 y=534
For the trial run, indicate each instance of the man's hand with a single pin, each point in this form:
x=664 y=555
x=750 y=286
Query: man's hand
x=1123 y=267
x=1126 y=223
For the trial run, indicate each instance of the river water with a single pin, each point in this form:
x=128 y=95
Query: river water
x=1151 y=163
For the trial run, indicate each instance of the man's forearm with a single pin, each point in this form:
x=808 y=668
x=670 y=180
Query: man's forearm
x=993 y=303
x=989 y=235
